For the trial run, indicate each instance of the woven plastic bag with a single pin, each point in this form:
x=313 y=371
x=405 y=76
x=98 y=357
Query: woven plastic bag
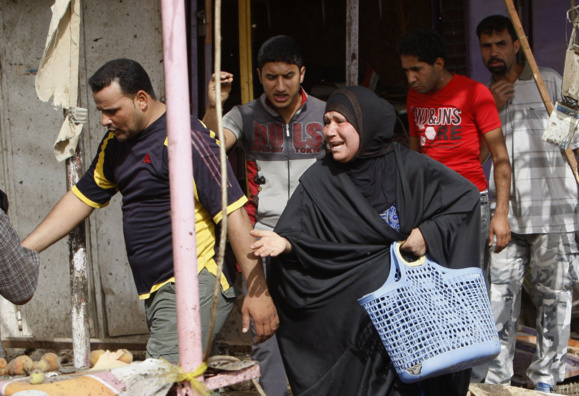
x=432 y=320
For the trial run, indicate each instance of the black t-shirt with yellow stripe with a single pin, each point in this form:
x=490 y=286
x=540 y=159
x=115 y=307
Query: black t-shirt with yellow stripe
x=139 y=169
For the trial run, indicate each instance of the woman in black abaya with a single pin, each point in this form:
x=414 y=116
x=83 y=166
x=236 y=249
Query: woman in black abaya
x=331 y=247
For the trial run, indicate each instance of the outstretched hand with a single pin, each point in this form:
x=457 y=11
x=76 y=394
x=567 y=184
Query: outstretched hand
x=226 y=82
x=269 y=244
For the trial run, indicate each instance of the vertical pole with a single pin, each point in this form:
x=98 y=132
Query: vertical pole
x=77 y=245
x=194 y=61
x=223 y=161
x=78 y=273
x=352 y=21
x=208 y=45
x=436 y=19
x=245 y=64
x=181 y=184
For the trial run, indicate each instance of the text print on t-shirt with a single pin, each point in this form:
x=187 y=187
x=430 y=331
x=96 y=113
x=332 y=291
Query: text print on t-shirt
x=269 y=138
x=439 y=126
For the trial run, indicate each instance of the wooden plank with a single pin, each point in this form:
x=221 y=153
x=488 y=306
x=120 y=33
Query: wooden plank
x=245 y=63
x=234 y=377
x=538 y=78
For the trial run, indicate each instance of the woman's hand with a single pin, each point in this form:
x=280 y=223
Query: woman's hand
x=269 y=244
x=415 y=243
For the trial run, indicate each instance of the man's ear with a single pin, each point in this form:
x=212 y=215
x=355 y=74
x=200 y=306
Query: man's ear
x=439 y=65
x=302 y=74
x=142 y=100
x=259 y=75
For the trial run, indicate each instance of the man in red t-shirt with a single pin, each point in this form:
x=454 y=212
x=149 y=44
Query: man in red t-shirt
x=454 y=120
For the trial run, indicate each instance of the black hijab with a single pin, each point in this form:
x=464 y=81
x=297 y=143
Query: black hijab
x=372 y=117
x=372 y=169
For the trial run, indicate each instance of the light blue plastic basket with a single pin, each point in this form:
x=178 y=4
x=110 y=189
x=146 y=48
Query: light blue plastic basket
x=432 y=320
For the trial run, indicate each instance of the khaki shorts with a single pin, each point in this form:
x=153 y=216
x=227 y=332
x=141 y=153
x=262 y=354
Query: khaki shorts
x=162 y=316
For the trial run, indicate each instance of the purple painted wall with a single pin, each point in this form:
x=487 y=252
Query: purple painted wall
x=549 y=30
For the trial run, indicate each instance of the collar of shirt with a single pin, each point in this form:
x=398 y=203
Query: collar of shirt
x=304 y=100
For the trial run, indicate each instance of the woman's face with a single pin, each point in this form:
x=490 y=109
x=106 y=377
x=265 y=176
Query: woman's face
x=341 y=137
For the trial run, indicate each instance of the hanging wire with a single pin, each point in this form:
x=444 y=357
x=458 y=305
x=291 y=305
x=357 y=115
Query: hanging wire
x=223 y=160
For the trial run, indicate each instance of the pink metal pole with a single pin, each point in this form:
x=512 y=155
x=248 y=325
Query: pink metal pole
x=181 y=184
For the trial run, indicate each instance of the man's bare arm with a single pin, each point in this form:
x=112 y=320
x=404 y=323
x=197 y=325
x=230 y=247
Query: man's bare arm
x=499 y=225
x=484 y=152
x=66 y=215
x=414 y=143
x=257 y=303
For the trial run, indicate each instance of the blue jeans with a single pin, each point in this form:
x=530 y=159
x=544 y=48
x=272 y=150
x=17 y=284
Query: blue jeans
x=479 y=372
x=485 y=220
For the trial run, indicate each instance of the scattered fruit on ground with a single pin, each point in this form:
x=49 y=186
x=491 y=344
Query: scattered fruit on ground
x=94 y=356
x=20 y=365
x=37 y=377
x=53 y=361
x=126 y=357
x=41 y=365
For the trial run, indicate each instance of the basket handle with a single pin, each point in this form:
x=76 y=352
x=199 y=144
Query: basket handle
x=421 y=260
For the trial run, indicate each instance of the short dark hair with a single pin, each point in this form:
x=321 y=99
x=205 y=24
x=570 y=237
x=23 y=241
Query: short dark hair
x=280 y=49
x=129 y=74
x=496 y=23
x=425 y=44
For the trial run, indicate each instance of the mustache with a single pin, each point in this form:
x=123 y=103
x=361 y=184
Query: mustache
x=495 y=58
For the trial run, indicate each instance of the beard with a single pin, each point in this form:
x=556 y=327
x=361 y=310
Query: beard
x=500 y=68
